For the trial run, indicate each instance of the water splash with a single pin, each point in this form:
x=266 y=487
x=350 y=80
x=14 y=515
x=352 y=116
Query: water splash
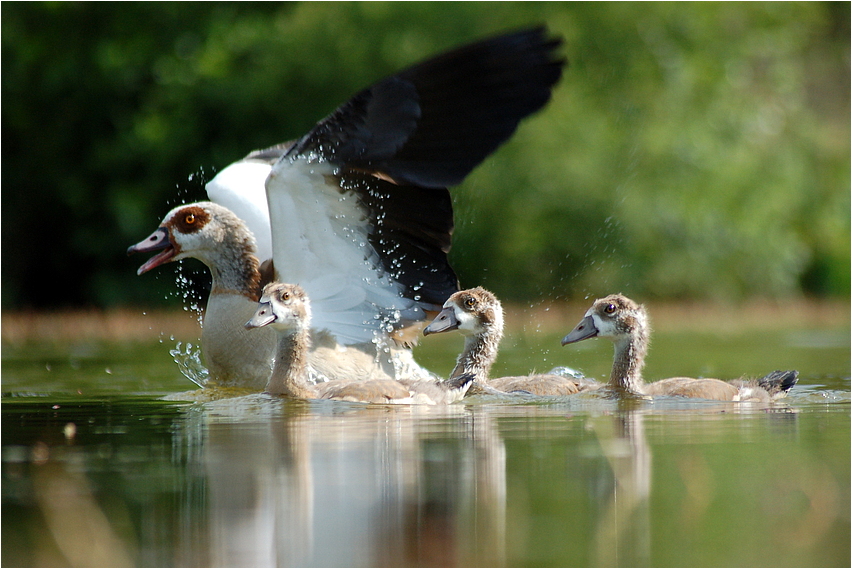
x=568 y=372
x=191 y=298
x=189 y=363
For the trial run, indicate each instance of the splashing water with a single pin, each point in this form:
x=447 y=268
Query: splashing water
x=568 y=372
x=191 y=299
x=189 y=363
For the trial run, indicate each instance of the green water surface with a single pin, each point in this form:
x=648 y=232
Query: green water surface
x=98 y=470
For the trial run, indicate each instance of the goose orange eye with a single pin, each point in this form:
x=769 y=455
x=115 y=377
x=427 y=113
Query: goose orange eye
x=189 y=219
x=469 y=302
x=610 y=308
x=285 y=296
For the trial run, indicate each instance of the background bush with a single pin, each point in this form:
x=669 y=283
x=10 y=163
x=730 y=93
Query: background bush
x=690 y=151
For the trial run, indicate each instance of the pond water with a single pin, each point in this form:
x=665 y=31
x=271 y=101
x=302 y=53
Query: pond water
x=99 y=470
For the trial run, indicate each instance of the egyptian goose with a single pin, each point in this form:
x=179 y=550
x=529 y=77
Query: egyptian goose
x=358 y=212
x=286 y=309
x=478 y=315
x=625 y=322
x=214 y=235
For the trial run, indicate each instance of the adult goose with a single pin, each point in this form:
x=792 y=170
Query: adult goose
x=214 y=235
x=625 y=323
x=357 y=211
x=286 y=309
x=478 y=315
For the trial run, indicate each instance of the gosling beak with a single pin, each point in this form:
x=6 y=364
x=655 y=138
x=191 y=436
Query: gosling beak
x=154 y=242
x=585 y=329
x=262 y=316
x=446 y=320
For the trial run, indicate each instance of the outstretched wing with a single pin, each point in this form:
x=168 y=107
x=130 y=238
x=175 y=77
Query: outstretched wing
x=360 y=214
x=433 y=123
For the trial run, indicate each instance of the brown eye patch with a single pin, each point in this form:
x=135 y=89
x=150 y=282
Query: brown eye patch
x=191 y=219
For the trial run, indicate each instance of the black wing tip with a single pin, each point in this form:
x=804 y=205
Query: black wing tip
x=462 y=380
x=779 y=380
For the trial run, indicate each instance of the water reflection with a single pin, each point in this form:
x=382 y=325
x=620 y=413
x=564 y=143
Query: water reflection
x=326 y=484
x=83 y=534
x=257 y=481
x=330 y=485
x=623 y=535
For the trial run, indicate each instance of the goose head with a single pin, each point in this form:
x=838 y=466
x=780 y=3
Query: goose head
x=473 y=312
x=204 y=230
x=615 y=317
x=283 y=307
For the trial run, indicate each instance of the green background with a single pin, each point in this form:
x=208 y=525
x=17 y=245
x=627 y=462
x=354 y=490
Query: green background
x=691 y=151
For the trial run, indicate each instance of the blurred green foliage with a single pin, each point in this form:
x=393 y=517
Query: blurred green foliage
x=691 y=150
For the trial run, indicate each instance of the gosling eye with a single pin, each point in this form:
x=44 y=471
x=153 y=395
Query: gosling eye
x=469 y=302
x=285 y=296
x=609 y=309
x=189 y=219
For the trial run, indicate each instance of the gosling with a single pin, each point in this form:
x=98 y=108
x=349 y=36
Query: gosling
x=286 y=308
x=625 y=322
x=478 y=315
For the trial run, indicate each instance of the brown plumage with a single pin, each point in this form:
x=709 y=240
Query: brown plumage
x=286 y=309
x=625 y=322
x=478 y=314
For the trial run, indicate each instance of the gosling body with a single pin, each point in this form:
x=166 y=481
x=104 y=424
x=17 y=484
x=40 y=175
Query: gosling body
x=286 y=309
x=478 y=314
x=626 y=324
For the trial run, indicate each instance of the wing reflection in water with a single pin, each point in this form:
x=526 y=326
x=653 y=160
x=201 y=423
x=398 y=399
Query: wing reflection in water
x=331 y=484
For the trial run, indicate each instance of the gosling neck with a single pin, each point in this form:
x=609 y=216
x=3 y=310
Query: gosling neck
x=628 y=362
x=480 y=352
x=290 y=372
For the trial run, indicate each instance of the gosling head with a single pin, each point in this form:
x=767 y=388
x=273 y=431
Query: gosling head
x=284 y=307
x=198 y=230
x=615 y=317
x=472 y=312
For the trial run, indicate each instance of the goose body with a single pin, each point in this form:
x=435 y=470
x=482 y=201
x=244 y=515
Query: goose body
x=286 y=309
x=625 y=322
x=219 y=239
x=478 y=315
x=233 y=355
x=357 y=211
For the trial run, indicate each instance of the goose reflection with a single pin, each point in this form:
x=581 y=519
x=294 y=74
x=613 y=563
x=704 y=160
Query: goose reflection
x=331 y=484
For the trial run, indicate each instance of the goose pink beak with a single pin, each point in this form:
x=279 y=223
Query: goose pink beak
x=154 y=242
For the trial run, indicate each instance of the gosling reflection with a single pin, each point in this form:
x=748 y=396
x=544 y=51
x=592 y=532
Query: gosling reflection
x=259 y=489
x=333 y=484
x=623 y=536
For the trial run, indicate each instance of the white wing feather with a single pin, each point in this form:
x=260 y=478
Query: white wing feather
x=240 y=188
x=320 y=241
